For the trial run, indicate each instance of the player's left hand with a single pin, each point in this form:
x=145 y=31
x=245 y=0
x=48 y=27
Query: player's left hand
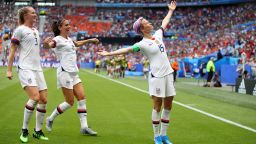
x=173 y=5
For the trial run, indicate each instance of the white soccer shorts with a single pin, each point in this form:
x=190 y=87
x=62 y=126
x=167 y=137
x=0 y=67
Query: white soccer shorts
x=32 y=78
x=67 y=80
x=161 y=87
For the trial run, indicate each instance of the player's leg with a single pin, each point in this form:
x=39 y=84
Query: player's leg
x=33 y=94
x=81 y=108
x=40 y=115
x=156 y=90
x=65 y=82
x=165 y=117
x=157 y=103
x=41 y=107
x=61 y=108
x=28 y=82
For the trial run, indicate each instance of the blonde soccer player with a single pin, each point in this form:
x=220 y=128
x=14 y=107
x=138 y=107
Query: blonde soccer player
x=161 y=87
x=26 y=40
x=67 y=74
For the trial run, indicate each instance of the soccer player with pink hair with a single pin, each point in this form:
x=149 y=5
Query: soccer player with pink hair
x=161 y=88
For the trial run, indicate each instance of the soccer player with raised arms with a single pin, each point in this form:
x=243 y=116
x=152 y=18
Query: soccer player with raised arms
x=67 y=74
x=26 y=40
x=161 y=87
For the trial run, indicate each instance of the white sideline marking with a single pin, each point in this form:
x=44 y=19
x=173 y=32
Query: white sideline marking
x=181 y=104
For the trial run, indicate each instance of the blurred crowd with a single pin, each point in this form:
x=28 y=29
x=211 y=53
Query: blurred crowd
x=143 y=1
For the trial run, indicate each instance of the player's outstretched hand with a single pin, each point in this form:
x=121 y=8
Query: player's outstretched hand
x=47 y=42
x=103 y=53
x=9 y=75
x=173 y=5
x=94 y=40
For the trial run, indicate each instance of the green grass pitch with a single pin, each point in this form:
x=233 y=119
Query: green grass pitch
x=122 y=115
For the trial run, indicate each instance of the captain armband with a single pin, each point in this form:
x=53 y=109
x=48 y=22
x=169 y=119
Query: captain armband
x=135 y=48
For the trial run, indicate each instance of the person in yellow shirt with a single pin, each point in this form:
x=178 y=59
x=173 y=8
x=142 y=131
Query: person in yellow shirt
x=97 y=66
x=210 y=68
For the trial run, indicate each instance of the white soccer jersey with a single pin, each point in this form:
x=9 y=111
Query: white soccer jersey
x=154 y=50
x=27 y=40
x=66 y=52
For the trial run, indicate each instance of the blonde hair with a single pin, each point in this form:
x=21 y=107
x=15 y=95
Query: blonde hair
x=21 y=13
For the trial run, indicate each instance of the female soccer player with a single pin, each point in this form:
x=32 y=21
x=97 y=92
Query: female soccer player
x=26 y=40
x=160 y=78
x=67 y=74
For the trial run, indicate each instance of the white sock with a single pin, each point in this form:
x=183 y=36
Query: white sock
x=28 y=111
x=155 y=122
x=165 y=121
x=82 y=113
x=40 y=114
x=59 y=110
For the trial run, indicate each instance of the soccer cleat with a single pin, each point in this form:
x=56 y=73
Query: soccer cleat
x=24 y=135
x=88 y=131
x=39 y=135
x=48 y=124
x=158 y=140
x=166 y=140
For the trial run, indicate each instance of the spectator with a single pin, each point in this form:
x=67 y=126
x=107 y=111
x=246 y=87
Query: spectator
x=210 y=68
x=219 y=55
x=175 y=67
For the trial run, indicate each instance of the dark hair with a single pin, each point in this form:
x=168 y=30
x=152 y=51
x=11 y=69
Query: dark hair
x=55 y=26
x=21 y=13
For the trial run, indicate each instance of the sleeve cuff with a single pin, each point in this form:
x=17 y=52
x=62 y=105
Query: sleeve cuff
x=15 y=41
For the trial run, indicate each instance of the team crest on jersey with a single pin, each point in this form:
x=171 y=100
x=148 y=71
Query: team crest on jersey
x=158 y=91
x=35 y=34
x=30 y=81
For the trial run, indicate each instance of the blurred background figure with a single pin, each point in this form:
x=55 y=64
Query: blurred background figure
x=175 y=67
x=210 y=68
x=145 y=67
x=97 y=65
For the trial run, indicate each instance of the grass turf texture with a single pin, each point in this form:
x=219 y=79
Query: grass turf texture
x=122 y=115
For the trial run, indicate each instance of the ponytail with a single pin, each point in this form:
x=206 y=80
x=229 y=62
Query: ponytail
x=55 y=26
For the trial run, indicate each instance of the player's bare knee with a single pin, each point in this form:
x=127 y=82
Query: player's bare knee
x=35 y=97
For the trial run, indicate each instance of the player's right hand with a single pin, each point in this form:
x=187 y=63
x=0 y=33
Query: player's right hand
x=9 y=75
x=47 y=41
x=103 y=53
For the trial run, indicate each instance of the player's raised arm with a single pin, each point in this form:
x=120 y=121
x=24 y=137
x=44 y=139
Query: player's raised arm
x=83 y=42
x=166 y=20
x=117 y=52
x=10 y=61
